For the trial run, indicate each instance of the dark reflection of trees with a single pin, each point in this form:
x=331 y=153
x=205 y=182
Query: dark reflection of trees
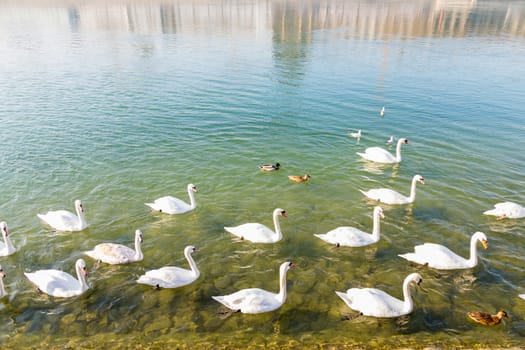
x=292 y=29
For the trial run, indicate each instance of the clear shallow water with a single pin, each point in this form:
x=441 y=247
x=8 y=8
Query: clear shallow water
x=120 y=103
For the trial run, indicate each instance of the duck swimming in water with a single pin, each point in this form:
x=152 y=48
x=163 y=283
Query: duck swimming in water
x=269 y=167
x=487 y=319
x=297 y=178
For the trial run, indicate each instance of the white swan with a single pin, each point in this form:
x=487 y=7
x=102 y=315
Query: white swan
x=375 y=302
x=442 y=258
x=382 y=113
x=6 y=247
x=113 y=253
x=356 y=135
x=381 y=155
x=172 y=205
x=256 y=300
x=353 y=237
x=59 y=283
x=388 y=196
x=3 y=293
x=172 y=276
x=522 y=296
x=390 y=141
x=258 y=233
x=63 y=220
x=507 y=210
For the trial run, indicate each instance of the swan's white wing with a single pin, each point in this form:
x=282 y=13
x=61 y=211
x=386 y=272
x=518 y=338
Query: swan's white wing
x=385 y=195
x=347 y=236
x=250 y=301
x=436 y=256
x=170 y=205
x=378 y=154
x=522 y=296
x=112 y=253
x=168 y=277
x=61 y=220
x=374 y=302
x=55 y=282
x=507 y=209
x=254 y=232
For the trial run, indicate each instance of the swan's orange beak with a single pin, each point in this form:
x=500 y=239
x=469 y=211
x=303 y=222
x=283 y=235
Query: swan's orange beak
x=422 y=181
x=85 y=271
x=284 y=214
x=485 y=244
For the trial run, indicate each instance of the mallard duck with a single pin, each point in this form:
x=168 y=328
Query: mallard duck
x=297 y=178
x=486 y=318
x=269 y=167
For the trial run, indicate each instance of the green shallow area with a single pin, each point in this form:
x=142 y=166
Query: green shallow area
x=118 y=103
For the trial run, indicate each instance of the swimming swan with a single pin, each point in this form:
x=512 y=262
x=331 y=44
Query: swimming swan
x=59 y=283
x=63 y=220
x=507 y=210
x=388 y=196
x=6 y=247
x=258 y=233
x=112 y=253
x=374 y=302
x=381 y=155
x=256 y=300
x=442 y=258
x=353 y=237
x=172 y=205
x=172 y=276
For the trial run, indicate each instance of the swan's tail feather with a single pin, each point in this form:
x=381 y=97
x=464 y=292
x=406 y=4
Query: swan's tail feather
x=91 y=253
x=491 y=212
x=221 y=300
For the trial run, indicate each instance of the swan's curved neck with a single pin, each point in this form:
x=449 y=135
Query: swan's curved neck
x=281 y=297
x=408 y=304
x=376 y=226
x=81 y=218
x=82 y=279
x=473 y=260
x=138 y=250
x=193 y=204
x=412 y=191
x=193 y=266
x=9 y=247
x=2 y=289
x=398 y=150
x=277 y=225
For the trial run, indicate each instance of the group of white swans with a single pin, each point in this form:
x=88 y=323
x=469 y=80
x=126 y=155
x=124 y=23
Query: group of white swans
x=368 y=301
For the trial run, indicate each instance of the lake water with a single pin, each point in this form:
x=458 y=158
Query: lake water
x=118 y=103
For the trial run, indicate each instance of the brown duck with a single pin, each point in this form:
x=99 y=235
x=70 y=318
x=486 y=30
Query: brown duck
x=297 y=178
x=486 y=318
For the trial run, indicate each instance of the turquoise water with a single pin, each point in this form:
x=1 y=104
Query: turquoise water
x=119 y=103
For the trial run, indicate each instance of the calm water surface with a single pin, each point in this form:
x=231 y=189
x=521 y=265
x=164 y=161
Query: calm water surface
x=118 y=103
